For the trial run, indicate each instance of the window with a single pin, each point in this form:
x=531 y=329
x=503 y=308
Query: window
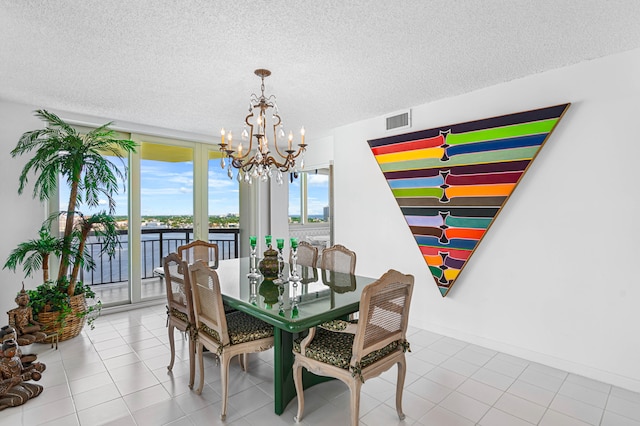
x=310 y=206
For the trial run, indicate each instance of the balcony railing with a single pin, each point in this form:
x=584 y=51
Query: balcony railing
x=155 y=244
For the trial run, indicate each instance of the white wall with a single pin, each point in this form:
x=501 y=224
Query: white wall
x=555 y=278
x=20 y=216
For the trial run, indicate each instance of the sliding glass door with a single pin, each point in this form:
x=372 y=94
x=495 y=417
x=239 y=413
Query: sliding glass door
x=175 y=192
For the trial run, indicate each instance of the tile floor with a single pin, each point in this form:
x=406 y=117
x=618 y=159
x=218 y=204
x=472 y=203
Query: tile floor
x=117 y=375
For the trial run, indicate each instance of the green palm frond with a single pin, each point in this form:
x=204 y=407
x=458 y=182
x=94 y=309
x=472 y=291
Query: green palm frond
x=31 y=254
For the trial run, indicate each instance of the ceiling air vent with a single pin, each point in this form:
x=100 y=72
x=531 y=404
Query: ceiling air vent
x=400 y=120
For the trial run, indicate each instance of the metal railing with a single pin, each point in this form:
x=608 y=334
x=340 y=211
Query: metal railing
x=155 y=244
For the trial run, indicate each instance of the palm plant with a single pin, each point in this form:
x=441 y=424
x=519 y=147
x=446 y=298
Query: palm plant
x=34 y=254
x=60 y=150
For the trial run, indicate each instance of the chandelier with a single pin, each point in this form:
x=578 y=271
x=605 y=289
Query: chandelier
x=261 y=163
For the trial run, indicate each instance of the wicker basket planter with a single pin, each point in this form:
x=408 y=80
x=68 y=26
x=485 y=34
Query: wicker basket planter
x=72 y=325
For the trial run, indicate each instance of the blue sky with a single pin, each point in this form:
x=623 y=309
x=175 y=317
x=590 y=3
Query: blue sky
x=167 y=189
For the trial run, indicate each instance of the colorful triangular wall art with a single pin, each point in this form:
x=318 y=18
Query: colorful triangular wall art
x=451 y=182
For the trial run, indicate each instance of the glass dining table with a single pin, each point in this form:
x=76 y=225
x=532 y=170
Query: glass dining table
x=292 y=309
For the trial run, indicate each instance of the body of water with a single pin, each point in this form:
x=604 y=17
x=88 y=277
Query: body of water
x=115 y=269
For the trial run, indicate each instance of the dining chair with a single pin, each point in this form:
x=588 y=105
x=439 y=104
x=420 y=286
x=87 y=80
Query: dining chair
x=226 y=334
x=199 y=249
x=180 y=313
x=338 y=258
x=307 y=255
x=355 y=352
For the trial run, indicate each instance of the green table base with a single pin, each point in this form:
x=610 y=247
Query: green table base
x=284 y=388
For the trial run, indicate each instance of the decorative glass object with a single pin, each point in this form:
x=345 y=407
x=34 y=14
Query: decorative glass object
x=294 y=299
x=280 y=245
x=253 y=291
x=294 y=261
x=253 y=261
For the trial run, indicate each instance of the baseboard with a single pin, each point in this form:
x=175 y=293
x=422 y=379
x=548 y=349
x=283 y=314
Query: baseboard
x=132 y=306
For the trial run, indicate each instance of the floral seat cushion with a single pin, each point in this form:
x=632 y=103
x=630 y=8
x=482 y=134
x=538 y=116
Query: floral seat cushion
x=335 y=349
x=242 y=328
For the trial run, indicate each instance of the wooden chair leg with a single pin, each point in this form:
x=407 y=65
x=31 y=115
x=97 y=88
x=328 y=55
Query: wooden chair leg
x=244 y=362
x=354 y=390
x=297 y=380
x=192 y=362
x=172 y=345
x=201 y=365
x=402 y=372
x=224 y=381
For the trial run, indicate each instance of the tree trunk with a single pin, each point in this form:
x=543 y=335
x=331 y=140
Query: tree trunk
x=86 y=227
x=68 y=227
x=45 y=267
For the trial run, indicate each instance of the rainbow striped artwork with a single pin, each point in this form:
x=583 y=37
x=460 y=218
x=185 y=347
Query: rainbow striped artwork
x=451 y=182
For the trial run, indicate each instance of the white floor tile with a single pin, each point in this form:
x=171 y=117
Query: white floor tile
x=471 y=355
x=48 y=412
x=70 y=420
x=424 y=338
x=158 y=414
x=554 y=418
x=126 y=420
x=413 y=406
x=122 y=360
x=377 y=388
x=465 y=406
x=136 y=383
x=104 y=413
x=96 y=396
x=384 y=415
x=440 y=416
x=49 y=394
x=445 y=377
x=550 y=371
x=504 y=366
x=493 y=378
x=446 y=347
x=495 y=417
x=613 y=419
x=584 y=394
x=248 y=401
x=90 y=382
x=459 y=366
x=625 y=394
x=537 y=378
x=574 y=408
x=480 y=391
x=521 y=408
x=531 y=393
x=589 y=383
x=146 y=397
x=430 y=390
x=430 y=356
x=624 y=407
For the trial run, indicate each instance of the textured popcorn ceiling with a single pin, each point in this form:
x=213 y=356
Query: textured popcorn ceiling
x=188 y=64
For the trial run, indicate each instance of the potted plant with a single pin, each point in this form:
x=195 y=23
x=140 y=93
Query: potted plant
x=61 y=152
